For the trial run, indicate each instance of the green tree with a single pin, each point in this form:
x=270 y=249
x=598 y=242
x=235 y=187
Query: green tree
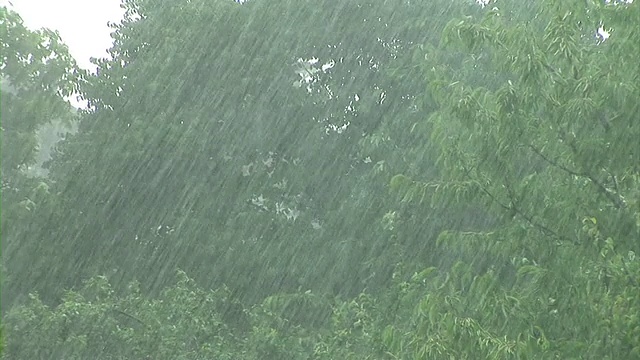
x=538 y=127
x=208 y=146
x=184 y=322
x=509 y=232
x=36 y=74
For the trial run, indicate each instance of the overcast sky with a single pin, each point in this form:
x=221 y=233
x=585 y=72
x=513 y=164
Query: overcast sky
x=82 y=24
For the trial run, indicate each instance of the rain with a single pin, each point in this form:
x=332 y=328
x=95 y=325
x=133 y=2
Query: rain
x=332 y=179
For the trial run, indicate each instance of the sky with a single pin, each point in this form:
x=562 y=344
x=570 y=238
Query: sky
x=82 y=24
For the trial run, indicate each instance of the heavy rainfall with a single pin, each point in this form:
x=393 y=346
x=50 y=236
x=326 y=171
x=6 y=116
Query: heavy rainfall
x=327 y=179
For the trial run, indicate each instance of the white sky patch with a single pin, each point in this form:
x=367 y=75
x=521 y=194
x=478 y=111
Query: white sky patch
x=328 y=65
x=82 y=24
x=603 y=34
x=307 y=70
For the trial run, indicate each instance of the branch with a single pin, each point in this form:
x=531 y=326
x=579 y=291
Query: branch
x=554 y=163
x=517 y=211
x=616 y=200
x=129 y=316
x=513 y=209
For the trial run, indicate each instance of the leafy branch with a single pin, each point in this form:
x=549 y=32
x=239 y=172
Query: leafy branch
x=616 y=200
x=513 y=209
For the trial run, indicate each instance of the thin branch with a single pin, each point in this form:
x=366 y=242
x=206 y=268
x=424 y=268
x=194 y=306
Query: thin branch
x=554 y=163
x=616 y=200
x=517 y=211
x=513 y=209
x=129 y=316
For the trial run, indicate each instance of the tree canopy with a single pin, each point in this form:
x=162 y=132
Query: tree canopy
x=329 y=180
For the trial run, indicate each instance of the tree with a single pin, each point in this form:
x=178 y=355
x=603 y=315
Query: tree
x=539 y=127
x=547 y=267
x=36 y=74
x=197 y=129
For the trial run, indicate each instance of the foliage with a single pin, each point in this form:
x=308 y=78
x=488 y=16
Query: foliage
x=202 y=129
x=95 y=321
x=381 y=194
x=36 y=74
x=539 y=127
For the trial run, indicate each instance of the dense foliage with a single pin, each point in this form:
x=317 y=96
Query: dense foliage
x=330 y=180
x=36 y=74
